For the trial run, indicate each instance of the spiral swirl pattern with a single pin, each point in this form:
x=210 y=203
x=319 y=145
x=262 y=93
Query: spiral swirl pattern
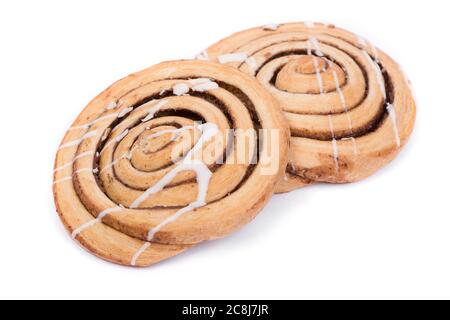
x=349 y=106
x=146 y=170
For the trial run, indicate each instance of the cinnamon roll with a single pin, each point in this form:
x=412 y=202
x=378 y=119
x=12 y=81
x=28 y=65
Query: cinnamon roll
x=180 y=153
x=349 y=105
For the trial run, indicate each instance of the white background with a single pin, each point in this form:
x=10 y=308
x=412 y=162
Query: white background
x=386 y=237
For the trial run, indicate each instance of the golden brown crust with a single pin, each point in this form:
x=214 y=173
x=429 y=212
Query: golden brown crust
x=130 y=172
x=290 y=182
x=349 y=105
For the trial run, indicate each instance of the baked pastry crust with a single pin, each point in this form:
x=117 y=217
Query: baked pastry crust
x=350 y=107
x=132 y=183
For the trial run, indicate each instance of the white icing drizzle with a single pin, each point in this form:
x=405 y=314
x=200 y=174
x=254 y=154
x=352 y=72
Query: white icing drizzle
x=62 y=180
x=115 y=140
x=112 y=105
x=203 y=84
x=393 y=116
x=316 y=67
x=309 y=24
x=209 y=130
x=379 y=75
x=180 y=89
x=203 y=178
x=105 y=134
x=76 y=142
x=349 y=119
x=83 y=170
x=251 y=62
x=124 y=112
x=343 y=102
x=175 y=132
x=126 y=155
x=334 y=143
x=380 y=80
x=355 y=146
x=122 y=135
x=199 y=85
x=335 y=153
x=271 y=26
x=153 y=110
x=315 y=44
x=232 y=57
x=202 y=56
x=138 y=253
x=199 y=81
x=318 y=76
x=87 y=125
x=99 y=218
x=71 y=177
x=68 y=164
x=206 y=86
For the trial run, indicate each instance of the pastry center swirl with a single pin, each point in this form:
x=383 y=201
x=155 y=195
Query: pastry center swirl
x=301 y=74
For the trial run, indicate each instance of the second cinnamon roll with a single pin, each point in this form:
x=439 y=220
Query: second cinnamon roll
x=349 y=105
